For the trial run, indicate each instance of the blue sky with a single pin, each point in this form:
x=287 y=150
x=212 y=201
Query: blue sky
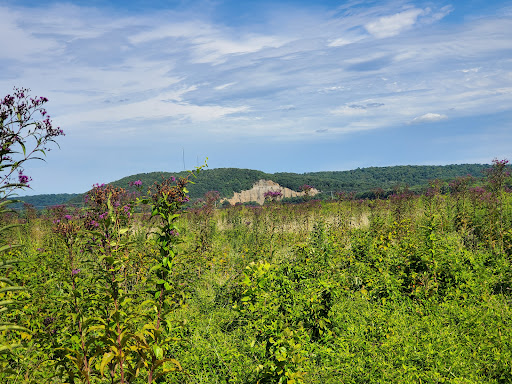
x=292 y=86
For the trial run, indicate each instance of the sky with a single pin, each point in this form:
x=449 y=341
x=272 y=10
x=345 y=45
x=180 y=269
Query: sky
x=277 y=86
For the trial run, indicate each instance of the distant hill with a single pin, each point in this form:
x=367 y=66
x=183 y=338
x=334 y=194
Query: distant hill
x=230 y=180
x=43 y=201
x=362 y=180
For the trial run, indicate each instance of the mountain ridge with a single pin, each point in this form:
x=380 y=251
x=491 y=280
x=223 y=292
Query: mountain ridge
x=362 y=181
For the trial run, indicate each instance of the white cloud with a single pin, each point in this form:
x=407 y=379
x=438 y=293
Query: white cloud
x=163 y=106
x=392 y=25
x=214 y=49
x=187 y=29
x=388 y=26
x=349 y=111
x=18 y=42
x=428 y=118
x=474 y=70
x=342 y=41
x=208 y=44
x=173 y=66
x=224 y=86
x=289 y=107
x=333 y=88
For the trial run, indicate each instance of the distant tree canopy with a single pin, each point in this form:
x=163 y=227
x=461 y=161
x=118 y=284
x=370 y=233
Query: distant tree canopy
x=227 y=181
x=42 y=201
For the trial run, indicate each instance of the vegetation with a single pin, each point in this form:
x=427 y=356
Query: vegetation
x=410 y=288
x=362 y=181
x=134 y=288
x=41 y=202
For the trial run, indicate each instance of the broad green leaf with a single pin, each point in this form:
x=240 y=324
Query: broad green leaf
x=107 y=358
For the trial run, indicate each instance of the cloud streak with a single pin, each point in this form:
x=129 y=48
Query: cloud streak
x=428 y=118
x=301 y=71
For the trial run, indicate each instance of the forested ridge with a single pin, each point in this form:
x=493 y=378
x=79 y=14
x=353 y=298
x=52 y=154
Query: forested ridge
x=46 y=200
x=230 y=180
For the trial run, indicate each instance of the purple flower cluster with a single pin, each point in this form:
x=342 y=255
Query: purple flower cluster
x=497 y=175
x=20 y=127
x=23 y=179
x=272 y=194
x=399 y=197
x=480 y=194
x=460 y=185
x=102 y=198
x=136 y=183
x=48 y=320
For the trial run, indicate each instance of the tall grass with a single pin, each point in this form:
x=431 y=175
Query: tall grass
x=408 y=289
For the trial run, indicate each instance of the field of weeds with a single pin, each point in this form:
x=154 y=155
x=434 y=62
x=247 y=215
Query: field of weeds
x=141 y=289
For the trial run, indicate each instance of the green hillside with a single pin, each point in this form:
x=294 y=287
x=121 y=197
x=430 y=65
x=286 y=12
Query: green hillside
x=47 y=200
x=362 y=180
x=230 y=180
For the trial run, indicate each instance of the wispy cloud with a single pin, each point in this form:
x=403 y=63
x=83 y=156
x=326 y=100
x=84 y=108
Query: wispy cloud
x=223 y=86
x=299 y=71
x=392 y=25
x=428 y=118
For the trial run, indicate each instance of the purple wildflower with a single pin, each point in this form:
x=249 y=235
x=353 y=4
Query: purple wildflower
x=48 y=320
x=272 y=194
x=75 y=272
x=23 y=179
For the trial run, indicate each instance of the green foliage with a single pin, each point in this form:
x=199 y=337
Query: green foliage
x=22 y=138
x=136 y=289
x=40 y=202
x=363 y=181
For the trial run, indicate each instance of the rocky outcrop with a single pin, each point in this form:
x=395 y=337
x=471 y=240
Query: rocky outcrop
x=258 y=190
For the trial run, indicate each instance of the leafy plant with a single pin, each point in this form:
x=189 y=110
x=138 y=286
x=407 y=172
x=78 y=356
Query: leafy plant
x=25 y=132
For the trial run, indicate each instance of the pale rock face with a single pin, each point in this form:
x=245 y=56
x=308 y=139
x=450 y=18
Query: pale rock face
x=258 y=190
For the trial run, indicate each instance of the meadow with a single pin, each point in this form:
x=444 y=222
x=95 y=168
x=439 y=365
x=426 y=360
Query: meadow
x=133 y=288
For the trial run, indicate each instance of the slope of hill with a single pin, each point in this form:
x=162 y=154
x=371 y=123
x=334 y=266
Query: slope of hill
x=47 y=200
x=229 y=181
